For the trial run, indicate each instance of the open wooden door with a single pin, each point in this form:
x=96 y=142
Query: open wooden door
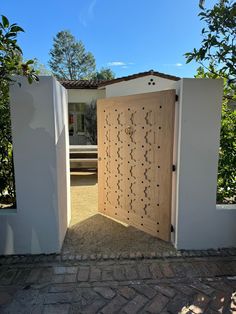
x=135 y=151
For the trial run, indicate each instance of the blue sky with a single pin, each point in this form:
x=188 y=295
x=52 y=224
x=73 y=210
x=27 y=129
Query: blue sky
x=129 y=36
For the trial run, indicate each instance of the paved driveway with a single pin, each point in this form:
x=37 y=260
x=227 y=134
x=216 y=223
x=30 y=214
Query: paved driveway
x=164 y=285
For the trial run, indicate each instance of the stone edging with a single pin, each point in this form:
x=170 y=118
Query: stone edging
x=50 y=258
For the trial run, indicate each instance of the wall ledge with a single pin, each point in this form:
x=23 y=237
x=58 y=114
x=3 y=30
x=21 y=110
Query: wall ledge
x=226 y=206
x=7 y=211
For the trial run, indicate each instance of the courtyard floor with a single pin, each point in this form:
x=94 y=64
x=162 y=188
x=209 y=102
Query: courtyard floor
x=92 y=233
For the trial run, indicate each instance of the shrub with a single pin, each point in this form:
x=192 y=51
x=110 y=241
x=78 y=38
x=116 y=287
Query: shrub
x=226 y=191
x=11 y=63
x=226 y=188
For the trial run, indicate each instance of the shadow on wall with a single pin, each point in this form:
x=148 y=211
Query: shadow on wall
x=62 y=159
x=34 y=153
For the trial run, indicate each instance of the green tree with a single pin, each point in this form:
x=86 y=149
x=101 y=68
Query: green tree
x=11 y=56
x=218 y=46
x=69 y=59
x=202 y=2
x=217 y=55
x=91 y=122
x=11 y=64
x=104 y=75
x=40 y=68
x=226 y=190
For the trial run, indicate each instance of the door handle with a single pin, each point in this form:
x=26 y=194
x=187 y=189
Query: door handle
x=129 y=130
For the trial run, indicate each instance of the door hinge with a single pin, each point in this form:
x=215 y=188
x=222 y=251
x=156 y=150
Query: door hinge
x=176 y=98
x=172 y=228
x=173 y=168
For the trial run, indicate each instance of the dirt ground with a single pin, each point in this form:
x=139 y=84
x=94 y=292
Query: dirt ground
x=92 y=233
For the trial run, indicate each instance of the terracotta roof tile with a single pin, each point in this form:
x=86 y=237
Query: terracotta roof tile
x=80 y=84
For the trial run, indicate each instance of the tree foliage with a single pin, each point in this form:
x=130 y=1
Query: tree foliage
x=40 y=68
x=217 y=56
x=91 y=122
x=7 y=186
x=69 y=59
x=218 y=46
x=226 y=191
x=11 y=64
x=11 y=56
x=202 y=3
x=104 y=75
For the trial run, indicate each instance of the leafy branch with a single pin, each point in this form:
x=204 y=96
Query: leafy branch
x=218 y=44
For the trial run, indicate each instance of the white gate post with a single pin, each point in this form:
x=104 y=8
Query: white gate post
x=200 y=225
x=41 y=160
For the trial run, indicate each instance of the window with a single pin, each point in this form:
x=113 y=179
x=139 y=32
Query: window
x=76 y=118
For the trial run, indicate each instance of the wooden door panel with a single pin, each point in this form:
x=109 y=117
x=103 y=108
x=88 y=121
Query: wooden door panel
x=135 y=147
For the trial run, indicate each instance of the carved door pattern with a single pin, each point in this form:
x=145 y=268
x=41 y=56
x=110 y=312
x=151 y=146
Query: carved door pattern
x=135 y=149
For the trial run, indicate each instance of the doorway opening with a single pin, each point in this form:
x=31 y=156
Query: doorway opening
x=123 y=215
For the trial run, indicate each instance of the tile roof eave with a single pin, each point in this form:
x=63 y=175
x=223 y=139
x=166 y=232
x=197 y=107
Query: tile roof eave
x=95 y=84
x=139 y=75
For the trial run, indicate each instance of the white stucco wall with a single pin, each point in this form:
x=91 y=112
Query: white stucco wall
x=62 y=157
x=200 y=225
x=40 y=136
x=139 y=86
x=175 y=160
x=40 y=141
x=85 y=95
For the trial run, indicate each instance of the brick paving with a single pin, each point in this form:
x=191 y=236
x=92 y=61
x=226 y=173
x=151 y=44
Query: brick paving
x=165 y=285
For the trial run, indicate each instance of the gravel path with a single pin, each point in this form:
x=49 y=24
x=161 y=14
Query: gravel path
x=92 y=233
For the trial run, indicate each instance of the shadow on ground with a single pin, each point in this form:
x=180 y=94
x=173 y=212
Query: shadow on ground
x=83 y=179
x=92 y=233
x=99 y=234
